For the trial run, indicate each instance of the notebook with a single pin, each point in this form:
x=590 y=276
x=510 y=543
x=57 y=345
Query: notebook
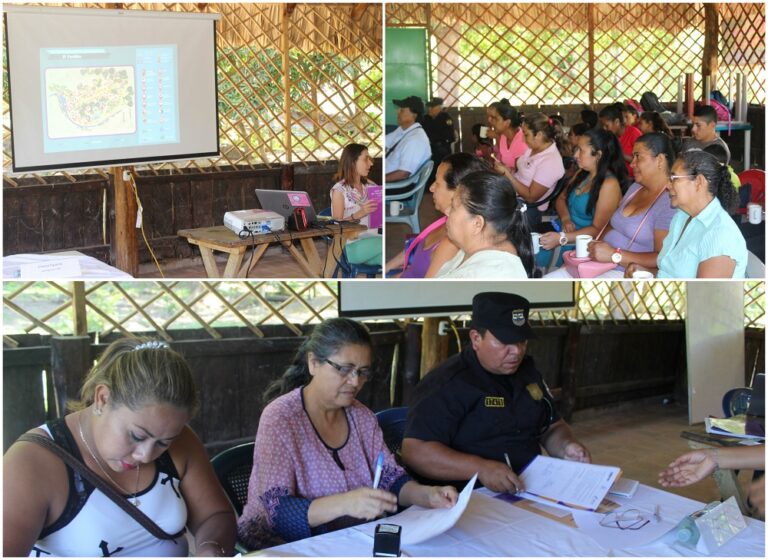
x=285 y=202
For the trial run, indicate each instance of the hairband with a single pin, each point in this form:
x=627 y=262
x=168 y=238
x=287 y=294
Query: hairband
x=549 y=120
x=523 y=207
x=152 y=345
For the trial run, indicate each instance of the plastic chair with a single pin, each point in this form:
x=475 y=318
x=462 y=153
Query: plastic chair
x=756 y=179
x=233 y=468
x=392 y=423
x=755 y=267
x=736 y=401
x=348 y=269
x=410 y=198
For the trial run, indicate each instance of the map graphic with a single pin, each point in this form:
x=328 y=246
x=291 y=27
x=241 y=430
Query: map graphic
x=92 y=101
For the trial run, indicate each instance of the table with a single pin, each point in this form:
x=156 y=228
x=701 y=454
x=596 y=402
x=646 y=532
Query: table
x=746 y=128
x=89 y=268
x=492 y=527
x=219 y=238
x=726 y=479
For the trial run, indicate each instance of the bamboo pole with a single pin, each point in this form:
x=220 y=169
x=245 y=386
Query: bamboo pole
x=80 y=319
x=591 y=52
x=709 y=58
x=286 y=82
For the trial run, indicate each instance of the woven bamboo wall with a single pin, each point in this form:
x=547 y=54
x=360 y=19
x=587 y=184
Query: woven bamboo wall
x=542 y=53
x=334 y=82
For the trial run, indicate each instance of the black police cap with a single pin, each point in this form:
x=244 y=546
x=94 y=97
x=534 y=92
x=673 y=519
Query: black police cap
x=504 y=315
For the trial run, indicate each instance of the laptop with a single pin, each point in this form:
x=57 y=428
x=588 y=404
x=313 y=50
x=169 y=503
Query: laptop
x=285 y=202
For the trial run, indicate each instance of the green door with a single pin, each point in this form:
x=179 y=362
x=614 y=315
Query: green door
x=405 y=68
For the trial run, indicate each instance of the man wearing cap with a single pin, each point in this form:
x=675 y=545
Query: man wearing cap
x=438 y=125
x=407 y=148
x=487 y=410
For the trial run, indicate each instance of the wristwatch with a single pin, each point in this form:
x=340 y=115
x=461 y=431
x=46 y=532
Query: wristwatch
x=616 y=256
x=563 y=239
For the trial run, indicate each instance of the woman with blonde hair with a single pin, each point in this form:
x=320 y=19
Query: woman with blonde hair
x=129 y=434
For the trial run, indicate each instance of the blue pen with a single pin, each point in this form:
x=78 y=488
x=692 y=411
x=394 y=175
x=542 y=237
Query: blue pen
x=379 y=466
x=556 y=226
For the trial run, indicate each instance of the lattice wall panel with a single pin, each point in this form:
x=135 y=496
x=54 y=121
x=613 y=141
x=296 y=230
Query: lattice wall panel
x=334 y=78
x=742 y=46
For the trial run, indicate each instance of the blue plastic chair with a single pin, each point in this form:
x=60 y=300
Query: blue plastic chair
x=416 y=184
x=348 y=269
x=392 y=423
x=736 y=401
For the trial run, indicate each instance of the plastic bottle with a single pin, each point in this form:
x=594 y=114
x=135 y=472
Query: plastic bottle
x=686 y=532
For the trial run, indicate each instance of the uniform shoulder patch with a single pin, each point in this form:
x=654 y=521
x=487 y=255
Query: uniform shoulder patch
x=535 y=391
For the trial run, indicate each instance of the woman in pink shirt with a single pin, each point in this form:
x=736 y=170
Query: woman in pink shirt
x=505 y=122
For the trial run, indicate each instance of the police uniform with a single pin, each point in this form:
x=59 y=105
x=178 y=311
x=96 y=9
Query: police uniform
x=463 y=406
x=441 y=135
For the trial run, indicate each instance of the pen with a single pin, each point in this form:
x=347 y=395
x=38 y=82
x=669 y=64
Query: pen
x=379 y=466
x=556 y=226
x=506 y=458
x=657 y=513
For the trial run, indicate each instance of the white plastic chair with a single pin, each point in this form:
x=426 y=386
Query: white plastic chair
x=755 y=267
x=410 y=198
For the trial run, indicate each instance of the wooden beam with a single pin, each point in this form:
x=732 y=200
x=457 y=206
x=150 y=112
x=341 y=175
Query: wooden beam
x=78 y=308
x=709 y=58
x=285 y=44
x=591 y=52
x=125 y=252
x=70 y=362
x=434 y=348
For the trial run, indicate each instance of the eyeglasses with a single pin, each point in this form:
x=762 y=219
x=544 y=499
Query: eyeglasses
x=347 y=371
x=628 y=520
x=673 y=178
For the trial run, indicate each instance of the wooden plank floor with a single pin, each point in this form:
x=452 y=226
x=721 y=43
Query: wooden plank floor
x=643 y=438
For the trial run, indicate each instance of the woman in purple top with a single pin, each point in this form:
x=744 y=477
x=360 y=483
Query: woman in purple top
x=314 y=465
x=652 y=158
x=431 y=249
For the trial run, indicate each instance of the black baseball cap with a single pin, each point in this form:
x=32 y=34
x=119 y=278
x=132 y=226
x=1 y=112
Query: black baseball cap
x=414 y=103
x=435 y=102
x=504 y=315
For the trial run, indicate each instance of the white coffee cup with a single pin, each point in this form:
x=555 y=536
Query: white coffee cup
x=754 y=213
x=483 y=132
x=536 y=242
x=582 y=242
x=395 y=207
x=642 y=275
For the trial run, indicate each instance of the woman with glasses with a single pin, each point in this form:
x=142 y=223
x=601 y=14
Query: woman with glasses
x=703 y=240
x=317 y=447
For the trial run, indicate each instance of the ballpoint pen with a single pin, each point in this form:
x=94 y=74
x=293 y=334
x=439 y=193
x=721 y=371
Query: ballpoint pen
x=377 y=473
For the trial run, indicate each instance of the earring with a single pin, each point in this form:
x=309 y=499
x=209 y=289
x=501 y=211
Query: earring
x=97 y=412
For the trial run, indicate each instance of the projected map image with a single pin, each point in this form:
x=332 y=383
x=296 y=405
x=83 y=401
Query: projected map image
x=94 y=101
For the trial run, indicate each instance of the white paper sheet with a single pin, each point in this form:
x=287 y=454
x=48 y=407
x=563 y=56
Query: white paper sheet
x=615 y=538
x=420 y=524
x=573 y=484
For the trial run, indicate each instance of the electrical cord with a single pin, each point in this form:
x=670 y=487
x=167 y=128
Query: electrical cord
x=245 y=234
x=140 y=210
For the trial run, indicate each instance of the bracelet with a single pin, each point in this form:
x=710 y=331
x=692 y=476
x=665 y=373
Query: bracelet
x=222 y=552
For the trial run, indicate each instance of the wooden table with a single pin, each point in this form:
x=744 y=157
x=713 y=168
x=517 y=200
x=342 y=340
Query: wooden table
x=219 y=238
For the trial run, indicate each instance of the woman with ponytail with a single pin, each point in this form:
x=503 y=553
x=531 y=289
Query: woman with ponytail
x=651 y=121
x=703 y=240
x=506 y=121
x=317 y=447
x=490 y=229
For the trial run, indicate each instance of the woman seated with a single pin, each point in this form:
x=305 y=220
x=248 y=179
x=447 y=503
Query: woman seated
x=490 y=229
x=350 y=201
x=431 y=249
x=639 y=225
x=317 y=447
x=591 y=198
x=130 y=429
x=703 y=240
x=651 y=121
x=505 y=122
x=540 y=167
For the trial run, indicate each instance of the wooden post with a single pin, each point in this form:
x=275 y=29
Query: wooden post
x=286 y=177
x=591 y=52
x=709 y=58
x=568 y=371
x=70 y=361
x=125 y=252
x=689 y=95
x=80 y=319
x=285 y=43
x=434 y=348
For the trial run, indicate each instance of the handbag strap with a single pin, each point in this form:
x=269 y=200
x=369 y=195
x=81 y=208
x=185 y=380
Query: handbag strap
x=101 y=484
x=392 y=149
x=640 y=225
x=419 y=238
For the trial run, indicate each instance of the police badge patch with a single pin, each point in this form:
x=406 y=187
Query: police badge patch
x=535 y=391
x=518 y=317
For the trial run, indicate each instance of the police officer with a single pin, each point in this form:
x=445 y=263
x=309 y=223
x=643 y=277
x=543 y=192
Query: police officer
x=438 y=125
x=487 y=410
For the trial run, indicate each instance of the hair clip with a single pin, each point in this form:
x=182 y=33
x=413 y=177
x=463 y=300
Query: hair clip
x=549 y=121
x=152 y=345
x=523 y=207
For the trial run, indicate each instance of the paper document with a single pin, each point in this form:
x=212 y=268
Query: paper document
x=375 y=194
x=734 y=426
x=611 y=536
x=572 y=484
x=420 y=524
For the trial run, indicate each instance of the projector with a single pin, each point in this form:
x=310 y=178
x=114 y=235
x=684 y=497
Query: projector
x=256 y=221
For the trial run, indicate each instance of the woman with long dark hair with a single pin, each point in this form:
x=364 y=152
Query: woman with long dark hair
x=506 y=121
x=317 y=447
x=703 y=240
x=490 y=229
x=651 y=121
x=592 y=196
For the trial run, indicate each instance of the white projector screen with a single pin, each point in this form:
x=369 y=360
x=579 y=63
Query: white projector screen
x=420 y=298
x=93 y=87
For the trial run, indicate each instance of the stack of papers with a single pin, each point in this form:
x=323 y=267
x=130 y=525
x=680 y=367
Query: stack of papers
x=735 y=426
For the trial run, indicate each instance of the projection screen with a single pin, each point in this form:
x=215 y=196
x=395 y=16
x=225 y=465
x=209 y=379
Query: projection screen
x=92 y=87
x=420 y=298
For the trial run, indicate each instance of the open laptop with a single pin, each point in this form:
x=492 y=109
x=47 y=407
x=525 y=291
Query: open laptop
x=285 y=202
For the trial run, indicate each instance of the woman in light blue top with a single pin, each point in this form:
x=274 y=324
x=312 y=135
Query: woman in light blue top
x=703 y=240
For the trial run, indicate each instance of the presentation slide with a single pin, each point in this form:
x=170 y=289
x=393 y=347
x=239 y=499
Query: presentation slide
x=421 y=298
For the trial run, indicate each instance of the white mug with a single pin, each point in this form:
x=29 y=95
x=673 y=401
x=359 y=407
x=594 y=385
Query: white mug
x=483 y=132
x=642 y=275
x=536 y=242
x=395 y=207
x=582 y=241
x=754 y=213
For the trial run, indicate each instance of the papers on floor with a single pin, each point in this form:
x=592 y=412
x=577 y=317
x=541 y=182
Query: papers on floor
x=735 y=426
x=420 y=524
x=572 y=484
